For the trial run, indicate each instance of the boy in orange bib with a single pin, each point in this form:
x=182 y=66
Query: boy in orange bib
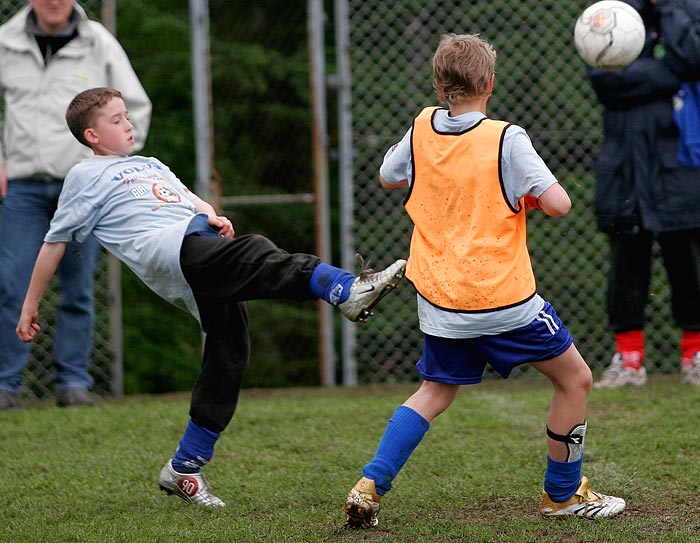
x=470 y=180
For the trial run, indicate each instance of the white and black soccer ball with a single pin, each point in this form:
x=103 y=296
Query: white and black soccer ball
x=609 y=35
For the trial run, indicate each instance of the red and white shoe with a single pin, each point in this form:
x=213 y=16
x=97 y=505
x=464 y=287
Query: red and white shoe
x=191 y=487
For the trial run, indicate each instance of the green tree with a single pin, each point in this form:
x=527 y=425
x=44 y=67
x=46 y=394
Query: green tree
x=261 y=113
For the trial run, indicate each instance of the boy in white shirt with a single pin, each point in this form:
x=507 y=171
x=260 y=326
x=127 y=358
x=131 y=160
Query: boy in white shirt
x=178 y=245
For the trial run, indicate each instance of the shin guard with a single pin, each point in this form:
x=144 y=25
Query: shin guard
x=574 y=440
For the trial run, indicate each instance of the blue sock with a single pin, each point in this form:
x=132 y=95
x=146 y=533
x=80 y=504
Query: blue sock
x=562 y=479
x=196 y=449
x=404 y=432
x=331 y=284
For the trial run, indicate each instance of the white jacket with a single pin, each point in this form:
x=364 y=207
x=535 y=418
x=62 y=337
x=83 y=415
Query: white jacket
x=35 y=138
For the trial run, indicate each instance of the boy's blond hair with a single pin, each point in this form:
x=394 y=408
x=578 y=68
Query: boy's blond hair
x=462 y=67
x=82 y=110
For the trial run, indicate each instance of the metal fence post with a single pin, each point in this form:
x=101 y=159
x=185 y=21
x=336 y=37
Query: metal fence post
x=320 y=159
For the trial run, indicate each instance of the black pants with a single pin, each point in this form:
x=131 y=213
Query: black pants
x=223 y=274
x=630 y=272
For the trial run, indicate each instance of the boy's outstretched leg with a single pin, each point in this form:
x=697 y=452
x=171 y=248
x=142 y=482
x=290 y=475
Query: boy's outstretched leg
x=566 y=491
x=253 y=268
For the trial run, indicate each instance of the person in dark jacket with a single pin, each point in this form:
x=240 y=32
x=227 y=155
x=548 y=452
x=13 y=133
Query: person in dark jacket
x=643 y=193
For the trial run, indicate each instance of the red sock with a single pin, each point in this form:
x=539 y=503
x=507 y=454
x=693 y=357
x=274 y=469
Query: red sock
x=630 y=345
x=690 y=344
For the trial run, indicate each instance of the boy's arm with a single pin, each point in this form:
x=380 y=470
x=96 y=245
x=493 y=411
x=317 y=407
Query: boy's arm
x=390 y=186
x=47 y=261
x=221 y=223
x=554 y=201
x=395 y=169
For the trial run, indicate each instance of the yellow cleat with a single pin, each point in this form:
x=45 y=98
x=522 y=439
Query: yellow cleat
x=362 y=505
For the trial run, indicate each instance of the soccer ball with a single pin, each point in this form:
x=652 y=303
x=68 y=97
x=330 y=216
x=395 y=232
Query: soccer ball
x=609 y=35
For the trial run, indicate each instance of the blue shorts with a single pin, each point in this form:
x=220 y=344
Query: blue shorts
x=462 y=361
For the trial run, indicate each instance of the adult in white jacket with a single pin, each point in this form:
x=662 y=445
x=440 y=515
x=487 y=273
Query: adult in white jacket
x=49 y=52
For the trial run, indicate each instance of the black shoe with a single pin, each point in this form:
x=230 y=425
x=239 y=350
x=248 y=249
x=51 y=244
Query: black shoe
x=8 y=400
x=68 y=397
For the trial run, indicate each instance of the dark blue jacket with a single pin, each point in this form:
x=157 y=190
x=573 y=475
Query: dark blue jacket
x=639 y=180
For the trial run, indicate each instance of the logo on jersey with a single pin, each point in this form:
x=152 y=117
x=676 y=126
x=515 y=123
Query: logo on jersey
x=128 y=175
x=165 y=194
x=138 y=191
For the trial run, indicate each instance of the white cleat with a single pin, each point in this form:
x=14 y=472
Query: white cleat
x=370 y=287
x=191 y=487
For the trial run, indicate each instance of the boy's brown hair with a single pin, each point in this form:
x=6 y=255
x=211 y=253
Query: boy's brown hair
x=462 y=67
x=82 y=110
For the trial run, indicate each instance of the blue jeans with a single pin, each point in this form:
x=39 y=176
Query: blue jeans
x=24 y=220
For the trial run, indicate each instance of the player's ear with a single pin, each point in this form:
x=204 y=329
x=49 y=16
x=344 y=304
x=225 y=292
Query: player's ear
x=490 y=85
x=91 y=136
x=439 y=92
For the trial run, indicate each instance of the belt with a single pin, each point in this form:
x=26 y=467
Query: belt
x=44 y=177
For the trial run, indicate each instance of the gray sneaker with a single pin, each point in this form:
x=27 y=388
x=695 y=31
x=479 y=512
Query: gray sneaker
x=368 y=288
x=690 y=374
x=9 y=400
x=73 y=396
x=191 y=487
x=617 y=375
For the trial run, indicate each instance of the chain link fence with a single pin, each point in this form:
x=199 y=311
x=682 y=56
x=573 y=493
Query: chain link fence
x=540 y=85
x=39 y=373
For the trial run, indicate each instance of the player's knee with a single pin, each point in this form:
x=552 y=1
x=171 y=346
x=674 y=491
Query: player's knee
x=261 y=242
x=583 y=378
x=577 y=380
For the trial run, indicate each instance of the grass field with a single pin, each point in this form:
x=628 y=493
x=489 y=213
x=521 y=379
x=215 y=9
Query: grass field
x=84 y=475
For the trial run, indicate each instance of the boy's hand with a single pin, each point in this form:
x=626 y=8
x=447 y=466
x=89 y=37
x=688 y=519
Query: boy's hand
x=3 y=181
x=28 y=325
x=223 y=225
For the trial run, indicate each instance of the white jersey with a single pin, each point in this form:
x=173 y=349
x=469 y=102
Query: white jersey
x=524 y=172
x=138 y=210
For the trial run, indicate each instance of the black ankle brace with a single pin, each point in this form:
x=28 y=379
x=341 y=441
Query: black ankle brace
x=574 y=440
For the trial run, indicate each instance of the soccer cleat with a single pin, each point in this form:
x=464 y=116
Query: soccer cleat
x=584 y=503
x=368 y=288
x=690 y=370
x=362 y=505
x=618 y=375
x=191 y=487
